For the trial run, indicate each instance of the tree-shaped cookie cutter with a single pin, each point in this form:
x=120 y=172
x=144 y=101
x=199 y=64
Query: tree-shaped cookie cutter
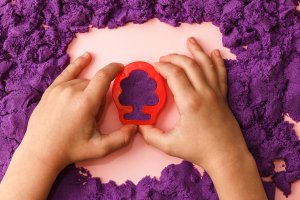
x=160 y=92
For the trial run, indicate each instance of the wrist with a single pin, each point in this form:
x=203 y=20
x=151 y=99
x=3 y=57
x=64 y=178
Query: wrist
x=40 y=156
x=237 y=164
x=33 y=174
x=233 y=158
x=238 y=178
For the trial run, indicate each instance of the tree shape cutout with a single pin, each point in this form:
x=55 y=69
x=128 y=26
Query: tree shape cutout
x=138 y=90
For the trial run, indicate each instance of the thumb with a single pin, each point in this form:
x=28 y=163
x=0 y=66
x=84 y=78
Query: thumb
x=157 y=138
x=98 y=87
x=104 y=144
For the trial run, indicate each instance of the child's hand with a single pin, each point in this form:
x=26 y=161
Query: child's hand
x=207 y=132
x=63 y=128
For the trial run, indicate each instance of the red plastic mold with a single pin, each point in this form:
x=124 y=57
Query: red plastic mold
x=160 y=91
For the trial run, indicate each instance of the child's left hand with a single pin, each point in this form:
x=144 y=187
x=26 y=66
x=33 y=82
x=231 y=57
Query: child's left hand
x=63 y=128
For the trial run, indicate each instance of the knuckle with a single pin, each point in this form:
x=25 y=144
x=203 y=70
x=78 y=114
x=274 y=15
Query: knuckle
x=212 y=67
x=203 y=58
x=57 y=89
x=67 y=71
x=192 y=103
x=210 y=95
x=200 y=54
x=68 y=91
x=169 y=149
x=102 y=75
x=223 y=77
x=219 y=62
x=223 y=84
x=147 y=139
x=102 y=153
x=176 y=71
x=105 y=149
x=191 y=63
x=78 y=61
x=86 y=100
x=83 y=104
x=126 y=140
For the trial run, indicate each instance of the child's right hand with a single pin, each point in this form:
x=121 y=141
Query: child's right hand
x=207 y=133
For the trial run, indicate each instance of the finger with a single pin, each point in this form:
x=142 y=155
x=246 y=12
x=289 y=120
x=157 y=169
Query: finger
x=101 y=110
x=192 y=69
x=81 y=85
x=73 y=82
x=99 y=85
x=156 y=137
x=204 y=61
x=102 y=145
x=221 y=71
x=74 y=69
x=76 y=84
x=177 y=81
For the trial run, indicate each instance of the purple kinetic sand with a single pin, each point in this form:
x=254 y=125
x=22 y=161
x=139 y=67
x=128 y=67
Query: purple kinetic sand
x=138 y=90
x=263 y=82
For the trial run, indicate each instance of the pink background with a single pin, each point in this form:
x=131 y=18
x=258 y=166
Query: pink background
x=146 y=42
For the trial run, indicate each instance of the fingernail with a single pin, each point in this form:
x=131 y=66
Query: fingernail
x=86 y=54
x=193 y=40
x=217 y=53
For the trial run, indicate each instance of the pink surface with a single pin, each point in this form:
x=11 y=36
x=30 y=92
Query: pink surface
x=145 y=42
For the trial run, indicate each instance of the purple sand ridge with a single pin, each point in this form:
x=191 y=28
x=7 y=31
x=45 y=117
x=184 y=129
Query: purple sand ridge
x=138 y=90
x=263 y=82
